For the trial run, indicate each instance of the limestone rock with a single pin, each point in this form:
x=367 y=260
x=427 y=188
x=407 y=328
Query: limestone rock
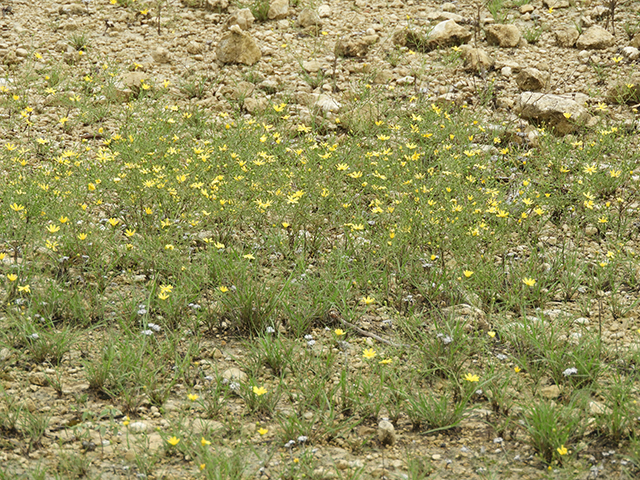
x=133 y=80
x=328 y=104
x=309 y=18
x=556 y=3
x=532 y=79
x=595 y=38
x=566 y=36
x=311 y=66
x=635 y=42
x=138 y=427
x=476 y=59
x=278 y=9
x=242 y=90
x=597 y=408
x=236 y=46
x=161 y=55
x=38 y=378
x=506 y=36
x=324 y=11
x=255 y=105
x=631 y=53
x=243 y=18
x=562 y=114
x=211 y=5
x=386 y=433
x=550 y=391
x=234 y=374
x=353 y=45
x=441 y=16
x=527 y=8
x=447 y=34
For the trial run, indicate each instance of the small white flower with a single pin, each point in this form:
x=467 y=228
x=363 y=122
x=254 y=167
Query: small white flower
x=148 y=333
x=34 y=336
x=302 y=439
x=570 y=371
x=154 y=327
x=498 y=440
x=234 y=386
x=501 y=356
x=308 y=337
x=271 y=330
x=311 y=343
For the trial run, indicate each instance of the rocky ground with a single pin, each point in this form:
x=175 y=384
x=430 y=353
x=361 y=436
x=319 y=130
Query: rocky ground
x=554 y=61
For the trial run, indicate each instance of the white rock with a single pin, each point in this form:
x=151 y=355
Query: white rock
x=386 y=433
x=235 y=374
x=138 y=427
x=327 y=103
x=631 y=53
x=324 y=11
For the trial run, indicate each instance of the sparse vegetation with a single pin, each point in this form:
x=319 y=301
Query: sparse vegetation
x=220 y=292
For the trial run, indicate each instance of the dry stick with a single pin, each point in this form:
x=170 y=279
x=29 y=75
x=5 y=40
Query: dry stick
x=336 y=316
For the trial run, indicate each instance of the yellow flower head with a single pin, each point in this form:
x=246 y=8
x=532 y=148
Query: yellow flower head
x=12 y=277
x=259 y=391
x=470 y=377
x=339 y=332
x=204 y=442
x=262 y=431
x=562 y=450
x=529 y=282
x=193 y=397
x=368 y=353
x=173 y=441
x=368 y=300
x=467 y=273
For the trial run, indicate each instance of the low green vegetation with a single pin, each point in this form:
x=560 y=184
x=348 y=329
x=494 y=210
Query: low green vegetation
x=488 y=269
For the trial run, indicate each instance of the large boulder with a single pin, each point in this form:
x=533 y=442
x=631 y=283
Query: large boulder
x=595 y=38
x=561 y=113
x=506 y=36
x=236 y=46
x=447 y=34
